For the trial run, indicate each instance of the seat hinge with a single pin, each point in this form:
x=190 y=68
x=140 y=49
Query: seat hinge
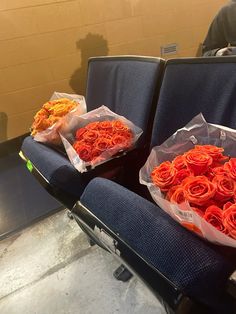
x=107 y=240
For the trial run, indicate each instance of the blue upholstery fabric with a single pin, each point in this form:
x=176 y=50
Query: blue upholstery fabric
x=124 y=84
x=190 y=263
x=206 y=85
x=55 y=167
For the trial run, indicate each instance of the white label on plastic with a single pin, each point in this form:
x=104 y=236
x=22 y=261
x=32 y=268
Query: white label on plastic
x=193 y=139
x=183 y=214
x=222 y=135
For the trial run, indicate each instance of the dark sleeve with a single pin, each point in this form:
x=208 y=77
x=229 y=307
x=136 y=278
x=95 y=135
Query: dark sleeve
x=215 y=38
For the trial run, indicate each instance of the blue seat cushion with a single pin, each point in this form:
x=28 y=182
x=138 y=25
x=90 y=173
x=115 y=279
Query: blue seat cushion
x=54 y=167
x=192 y=264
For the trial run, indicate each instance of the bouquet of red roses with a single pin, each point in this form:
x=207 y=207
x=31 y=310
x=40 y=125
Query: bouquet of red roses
x=50 y=118
x=97 y=136
x=192 y=176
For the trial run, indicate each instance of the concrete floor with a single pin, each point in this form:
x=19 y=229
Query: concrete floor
x=50 y=268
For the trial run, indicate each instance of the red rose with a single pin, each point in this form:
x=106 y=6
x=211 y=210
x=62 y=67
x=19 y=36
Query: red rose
x=198 y=161
x=164 y=175
x=198 y=189
x=225 y=187
x=229 y=220
x=230 y=167
x=214 y=216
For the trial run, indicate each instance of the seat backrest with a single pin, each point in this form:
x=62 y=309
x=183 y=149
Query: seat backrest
x=195 y=85
x=125 y=84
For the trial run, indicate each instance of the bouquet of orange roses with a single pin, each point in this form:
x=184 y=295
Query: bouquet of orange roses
x=49 y=119
x=96 y=137
x=192 y=177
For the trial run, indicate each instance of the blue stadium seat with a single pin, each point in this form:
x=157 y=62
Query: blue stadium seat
x=187 y=273
x=195 y=85
x=128 y=85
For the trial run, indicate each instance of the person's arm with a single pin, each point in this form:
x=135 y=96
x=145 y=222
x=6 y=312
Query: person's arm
x=215 y=39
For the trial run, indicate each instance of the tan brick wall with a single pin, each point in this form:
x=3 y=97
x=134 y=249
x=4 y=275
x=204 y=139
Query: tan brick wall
x=45 y=44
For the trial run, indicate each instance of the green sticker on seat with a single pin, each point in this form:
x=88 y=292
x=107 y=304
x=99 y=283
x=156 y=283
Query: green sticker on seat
x=29 y=165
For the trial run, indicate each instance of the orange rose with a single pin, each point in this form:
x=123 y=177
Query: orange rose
x=40 y=124
x=178 y=196
x=53 y=119
x=227 y=205
x=225 y=187
x=120 y=141
x=105 y=125
x=229 y=220
x=182 y=174
x=83 y=150
x=95 y=153
x=214 y=216
x=214 y=151
x=179 y=162
x=198 y=189
x=80 y=133
x=171 y=191
x=128 y=134
x=61 y=109
x=90 y=136
x=219 y=170
x=119 y=126
x=102 y=144
x=164 y=175
x=230 y=167
x=50 y=113
x=212 y=172
x=208 y=204
x=92 y=126
x=198 y=161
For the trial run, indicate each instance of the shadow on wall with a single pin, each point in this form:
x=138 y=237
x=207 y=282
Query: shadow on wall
x=199 y=51
x=3 y=127
x=91 y=46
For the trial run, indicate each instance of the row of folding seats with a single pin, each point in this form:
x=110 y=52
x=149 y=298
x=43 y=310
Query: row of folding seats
x=187 y=273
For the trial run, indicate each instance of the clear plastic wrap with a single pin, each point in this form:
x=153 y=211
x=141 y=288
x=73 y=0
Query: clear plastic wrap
x=196 y=132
